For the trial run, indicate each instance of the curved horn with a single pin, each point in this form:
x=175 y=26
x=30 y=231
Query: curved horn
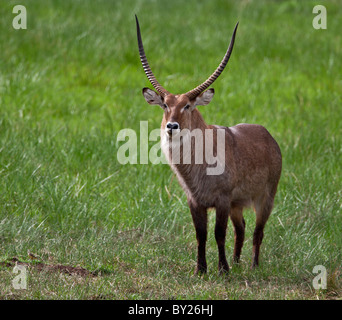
x=146 y=66
x=195 y=92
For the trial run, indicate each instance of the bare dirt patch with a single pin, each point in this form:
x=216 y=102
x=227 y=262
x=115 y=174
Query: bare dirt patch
x=43 y=267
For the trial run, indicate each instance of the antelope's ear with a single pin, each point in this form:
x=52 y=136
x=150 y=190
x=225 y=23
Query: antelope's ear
x=204 y=98
x=153 y=97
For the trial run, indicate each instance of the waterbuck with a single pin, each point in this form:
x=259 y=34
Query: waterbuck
x=250 y=161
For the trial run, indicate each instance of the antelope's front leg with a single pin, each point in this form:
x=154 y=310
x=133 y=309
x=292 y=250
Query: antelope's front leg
x=199 y=217
x=220 y=236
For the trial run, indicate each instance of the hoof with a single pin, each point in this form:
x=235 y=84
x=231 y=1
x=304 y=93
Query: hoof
x=223 y=268
x=223 y=272
x=200 y=271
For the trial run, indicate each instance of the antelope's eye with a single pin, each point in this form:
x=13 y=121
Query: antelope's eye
x=187 y=107
x=165 y=106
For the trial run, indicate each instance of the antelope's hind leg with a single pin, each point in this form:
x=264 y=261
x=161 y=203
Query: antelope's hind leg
x=239 y=229
x=263 y=211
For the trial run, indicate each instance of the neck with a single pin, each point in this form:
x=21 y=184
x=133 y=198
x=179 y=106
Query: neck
x=197 y=121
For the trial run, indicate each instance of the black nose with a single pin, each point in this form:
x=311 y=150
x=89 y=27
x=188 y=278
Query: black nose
x=172 y=125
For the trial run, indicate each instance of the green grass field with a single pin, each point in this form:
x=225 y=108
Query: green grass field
x=73 y=80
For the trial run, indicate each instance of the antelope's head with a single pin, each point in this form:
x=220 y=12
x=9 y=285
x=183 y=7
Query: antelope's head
x=179 y=109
